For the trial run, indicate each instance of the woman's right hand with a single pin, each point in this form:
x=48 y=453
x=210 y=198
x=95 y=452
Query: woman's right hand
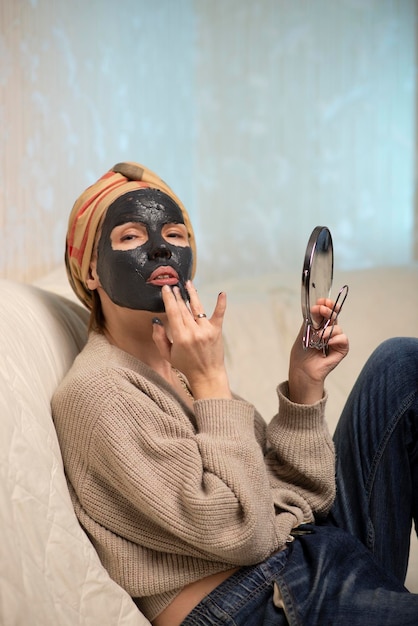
x=195 y=346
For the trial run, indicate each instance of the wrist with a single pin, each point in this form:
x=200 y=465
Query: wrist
x=304 y=390
x=210 y=386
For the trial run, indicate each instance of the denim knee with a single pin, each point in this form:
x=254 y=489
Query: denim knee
x=398 y=352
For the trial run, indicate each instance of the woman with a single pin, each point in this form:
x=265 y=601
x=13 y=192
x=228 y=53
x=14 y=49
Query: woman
x=201 y=511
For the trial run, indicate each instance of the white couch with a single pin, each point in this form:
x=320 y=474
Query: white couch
x=50 y=575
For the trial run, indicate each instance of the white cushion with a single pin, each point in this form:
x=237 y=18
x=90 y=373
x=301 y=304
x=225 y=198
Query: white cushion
x=50 y=574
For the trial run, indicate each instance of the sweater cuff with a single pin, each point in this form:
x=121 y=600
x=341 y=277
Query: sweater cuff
x=300 y=414
x=224 y=418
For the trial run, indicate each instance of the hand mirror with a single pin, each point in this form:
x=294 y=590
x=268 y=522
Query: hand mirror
x=317 y=275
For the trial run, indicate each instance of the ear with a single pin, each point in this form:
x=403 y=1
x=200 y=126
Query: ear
x=93 y=280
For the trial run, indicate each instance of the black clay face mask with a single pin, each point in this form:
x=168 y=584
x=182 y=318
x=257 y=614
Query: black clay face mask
x=133 y=278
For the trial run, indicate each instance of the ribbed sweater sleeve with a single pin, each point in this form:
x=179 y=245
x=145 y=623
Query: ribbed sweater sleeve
x=301 y=452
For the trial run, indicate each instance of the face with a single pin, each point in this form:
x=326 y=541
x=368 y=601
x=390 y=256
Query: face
x=143 y=246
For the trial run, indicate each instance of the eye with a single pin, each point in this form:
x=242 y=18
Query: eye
x=130 y=234
x=176 y=231
x=127 y=236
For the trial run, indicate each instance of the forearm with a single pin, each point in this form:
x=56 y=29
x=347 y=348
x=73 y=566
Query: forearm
x=300 y=442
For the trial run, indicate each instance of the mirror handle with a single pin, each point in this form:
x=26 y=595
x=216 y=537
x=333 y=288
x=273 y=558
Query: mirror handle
x=315 y=338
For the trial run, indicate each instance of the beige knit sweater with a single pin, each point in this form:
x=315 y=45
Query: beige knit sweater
x=168 y=495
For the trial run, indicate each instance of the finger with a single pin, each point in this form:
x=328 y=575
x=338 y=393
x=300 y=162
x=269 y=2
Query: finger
x=325 y=312
x=185 y=309
x=338 y=345
x=196 y=306
x=330 y=330
x=219 y=311
x=174 y=305
x=160 y=338
x=168 y=297
x=174 y=315
x=339 y=339
x=334 y=306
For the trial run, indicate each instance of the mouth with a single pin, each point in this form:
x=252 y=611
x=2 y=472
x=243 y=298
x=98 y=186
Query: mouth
x=163 y=275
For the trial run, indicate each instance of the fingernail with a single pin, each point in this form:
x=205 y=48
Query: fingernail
x=156 y=320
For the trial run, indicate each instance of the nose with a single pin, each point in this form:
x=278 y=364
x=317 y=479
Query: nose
x=159 y=251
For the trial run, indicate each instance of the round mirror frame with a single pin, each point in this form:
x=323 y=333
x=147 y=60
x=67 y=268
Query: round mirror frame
x=318 y=271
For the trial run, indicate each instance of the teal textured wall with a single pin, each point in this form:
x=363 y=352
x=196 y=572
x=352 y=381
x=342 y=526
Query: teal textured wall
x=266 y=117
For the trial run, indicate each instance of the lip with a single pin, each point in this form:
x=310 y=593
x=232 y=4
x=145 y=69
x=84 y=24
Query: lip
x=163 y=275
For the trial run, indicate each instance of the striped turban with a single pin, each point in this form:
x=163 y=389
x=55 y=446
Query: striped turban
x=91 y=207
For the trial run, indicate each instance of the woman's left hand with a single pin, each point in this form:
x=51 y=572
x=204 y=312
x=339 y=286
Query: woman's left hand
x=195 y=346
x=309 y=368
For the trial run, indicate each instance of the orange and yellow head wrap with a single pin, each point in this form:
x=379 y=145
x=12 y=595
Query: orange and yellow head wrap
x=90 y=208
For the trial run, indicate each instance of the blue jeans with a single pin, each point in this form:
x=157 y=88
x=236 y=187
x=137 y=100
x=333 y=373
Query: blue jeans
x=348 y=570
